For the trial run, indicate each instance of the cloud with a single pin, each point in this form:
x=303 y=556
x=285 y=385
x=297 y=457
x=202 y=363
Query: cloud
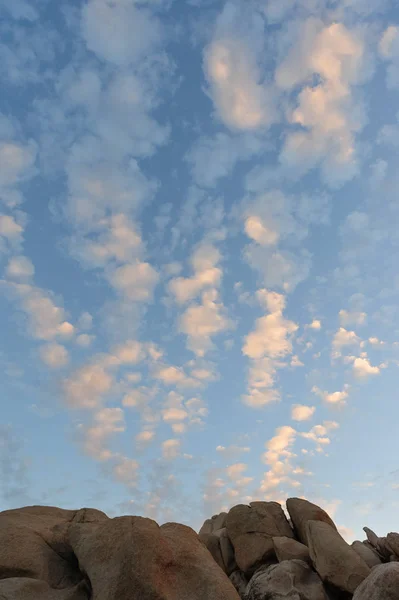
x=242 y=100
x=342 y=339
x=106 y=423
x=20 y=267
x=136 y=31
x=86 y=387
x=14 y=470
x=84 y=340
x=300 y=412
x=171 y=449
x=266 y=345
x=389 y=50
x=362 y=369
x=318 y=433
x=333 y=398
x=277 y=456
x=46 y=320
x=214 y=158
x=54 y=355
x=201 y=322
x=352 y=318
x=136 y=282
x=145 y=437
x=207 y=274
x=329 y=113
x=315 y=324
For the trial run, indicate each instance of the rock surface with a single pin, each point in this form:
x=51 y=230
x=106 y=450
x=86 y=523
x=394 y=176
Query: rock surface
x=252 y=552
x=381 y=584
x=301 y=511
x=369 y=556
x=335 y=561
x=289 y=549
x=290 y=579
x=251 y=529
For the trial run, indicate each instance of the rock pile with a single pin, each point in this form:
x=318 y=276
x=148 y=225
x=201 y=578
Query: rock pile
x=268 y=557
x=252 y=552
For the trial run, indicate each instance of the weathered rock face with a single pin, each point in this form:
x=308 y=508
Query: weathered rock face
x=381 y=584
x=289 y=549
x=129 y=558
x=48 y=553
x=370 y=557
x=291 y=579
x=251 y=529
x=301 y=511
x=334 y=560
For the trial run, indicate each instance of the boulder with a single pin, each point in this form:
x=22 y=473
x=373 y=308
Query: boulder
x=219 y=521
x=251 y=529
x=290 y=579
x=211 y=542
x=371 y=537
x=24 y=588
x=132 y=557
x=381 y=584
x=239 y=581
x=227 y=550
x=369 y=556
x=289 y=549
x=393 y=542
x=207 y=527
x=335 y=561
x=301 y=511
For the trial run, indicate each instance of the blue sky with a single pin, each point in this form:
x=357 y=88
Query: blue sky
x=198 y=256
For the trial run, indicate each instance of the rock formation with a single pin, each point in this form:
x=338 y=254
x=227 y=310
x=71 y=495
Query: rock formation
x=252 y=552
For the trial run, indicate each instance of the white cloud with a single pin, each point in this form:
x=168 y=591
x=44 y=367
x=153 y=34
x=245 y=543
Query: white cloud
x=20 y=267
x=277 y=456
x=334 y=398
x=270 y=341
x=200 y=322
x=54 y=355
x=352 y=318
x=135 y=30
x=362 y=369
x=9 y=228
x=328 y=112
x=171 y=448
x=86 y=387
x=207 y=274
x=106 y=423
x=242 y=100
x=342 y=339
x=85 y=340
x=300 y=412
x=389 y=50
x=145 y=437
x=272 y=335
x=85 y=321
x=125 y=470
x=318 y=433
x=315 y=324
x=130 y=352
x=135 y=281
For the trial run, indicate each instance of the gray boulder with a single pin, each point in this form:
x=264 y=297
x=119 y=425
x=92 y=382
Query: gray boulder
x=227 y=550
x=381 y=584
x=335 y=561
x=289 y=580
x=211 y=542
x=393 y=543
x=240 y=582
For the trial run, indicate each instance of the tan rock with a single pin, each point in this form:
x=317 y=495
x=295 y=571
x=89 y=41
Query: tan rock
x=381 y=584
x=219 y=521
x=24 y=588
x=289 y=549
x=290 y=579
x=227 y=550
x=134 y=558
x=251 y=529
x=301 y=511
x=393 y=542
x=335 y=561
x=212 y=543
x=369 y=556
x=207 y=527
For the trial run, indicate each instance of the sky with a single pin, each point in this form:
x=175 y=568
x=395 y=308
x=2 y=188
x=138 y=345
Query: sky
x=199 y=291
